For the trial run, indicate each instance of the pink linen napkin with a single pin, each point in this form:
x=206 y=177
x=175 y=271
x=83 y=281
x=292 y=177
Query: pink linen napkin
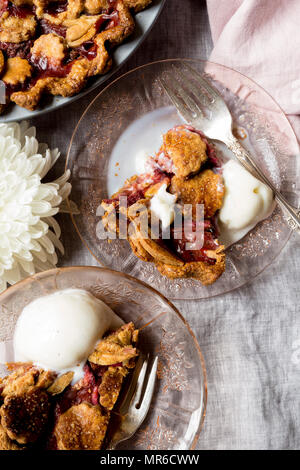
x=261 y=39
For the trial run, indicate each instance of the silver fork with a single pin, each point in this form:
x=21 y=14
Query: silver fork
x=132 y=408
x=202 y=106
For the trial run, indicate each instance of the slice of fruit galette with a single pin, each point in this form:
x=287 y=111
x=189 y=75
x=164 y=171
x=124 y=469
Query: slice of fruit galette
x=183 y=176
x=41 y=409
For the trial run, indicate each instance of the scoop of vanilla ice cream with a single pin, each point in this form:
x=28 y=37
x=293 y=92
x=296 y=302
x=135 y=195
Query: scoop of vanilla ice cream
x=163 y=206
x=247 y=201
x=60 y=330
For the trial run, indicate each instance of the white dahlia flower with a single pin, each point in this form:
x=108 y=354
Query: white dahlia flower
x=29 y=234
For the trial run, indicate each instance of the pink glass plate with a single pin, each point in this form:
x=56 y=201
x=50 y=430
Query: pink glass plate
x=259 y=123
x=178 y=406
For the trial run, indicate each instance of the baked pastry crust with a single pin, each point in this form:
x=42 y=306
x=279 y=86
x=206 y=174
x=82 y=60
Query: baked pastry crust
x=6 y=443
x=1 y=62
x=64 y=43
x=17 y=71
x=186 y=149
x=26 y=404
x=116 y=348
x=204 y=188
x=15 y=29
x=81 y=427
x=205 y=273
x=137 y=5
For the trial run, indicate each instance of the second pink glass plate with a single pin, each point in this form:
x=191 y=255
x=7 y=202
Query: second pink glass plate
x=178 y=406
x=127 y=119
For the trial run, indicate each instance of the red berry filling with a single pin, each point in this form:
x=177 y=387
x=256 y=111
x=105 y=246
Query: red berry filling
x=47 y=28
x=54 y=8
x=20 y=12
x=179 y=242
x=136 y=190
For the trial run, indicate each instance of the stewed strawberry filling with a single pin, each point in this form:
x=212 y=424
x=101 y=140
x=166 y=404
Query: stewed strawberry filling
x=12 y=49
x=54 y=8
x=20 y=12
x=188 y=235
x=162 y=162
x=9 y=89
x=136 y=190
x=87 y=390
x=46 y=27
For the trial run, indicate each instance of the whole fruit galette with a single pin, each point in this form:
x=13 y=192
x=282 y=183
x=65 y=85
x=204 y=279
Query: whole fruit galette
x=54 y=46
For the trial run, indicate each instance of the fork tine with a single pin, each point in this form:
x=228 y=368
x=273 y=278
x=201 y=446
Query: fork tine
x=144 y=406
x=199 y=91
x=138 y=375
x=190 y=103
x=134 y=415
x=210 y=89
x=178 y=103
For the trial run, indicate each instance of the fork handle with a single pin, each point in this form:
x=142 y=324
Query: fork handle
x=292 y=215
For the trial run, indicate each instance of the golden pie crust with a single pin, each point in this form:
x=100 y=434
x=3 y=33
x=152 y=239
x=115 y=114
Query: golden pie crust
x=204 y=188
x=17 y=71
x=81 y=427
x=14 y=29
x=186 y=149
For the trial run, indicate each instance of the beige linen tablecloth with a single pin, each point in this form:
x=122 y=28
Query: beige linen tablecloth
x=250 y=338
